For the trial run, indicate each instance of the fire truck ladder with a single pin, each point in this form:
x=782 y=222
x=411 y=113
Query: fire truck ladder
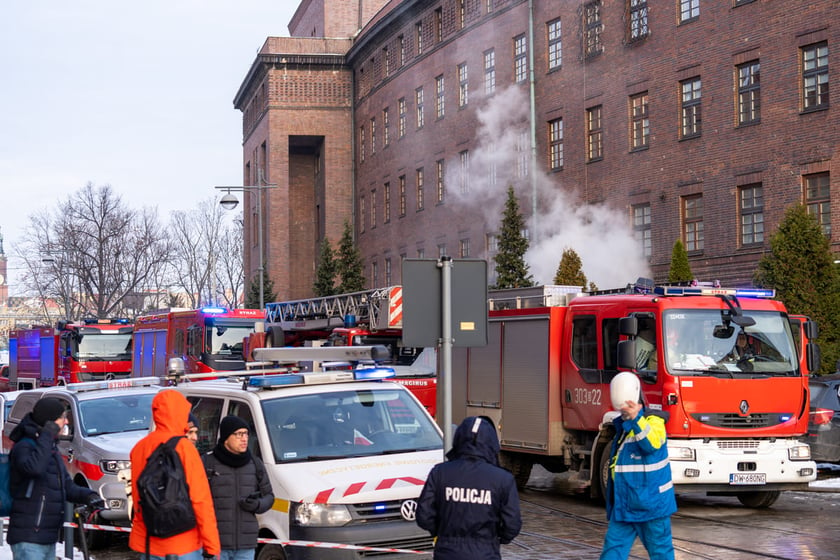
x=380 y=309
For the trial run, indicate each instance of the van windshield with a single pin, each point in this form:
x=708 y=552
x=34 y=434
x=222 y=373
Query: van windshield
x=347 y=424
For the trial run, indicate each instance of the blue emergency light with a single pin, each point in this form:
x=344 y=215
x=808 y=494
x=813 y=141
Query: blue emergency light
x=211 y=310
x=712 y=291
x=374 y=373
x=276 y=380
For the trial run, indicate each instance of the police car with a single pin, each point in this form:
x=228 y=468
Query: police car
x=105 y=420
x=347 y=453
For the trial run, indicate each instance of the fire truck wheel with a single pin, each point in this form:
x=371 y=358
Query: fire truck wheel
x=519 y=467
x=763 y=499
x=271 y=552
x=603 y=472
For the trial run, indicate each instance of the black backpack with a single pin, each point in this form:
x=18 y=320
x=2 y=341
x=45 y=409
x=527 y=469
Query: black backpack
x=164 y=496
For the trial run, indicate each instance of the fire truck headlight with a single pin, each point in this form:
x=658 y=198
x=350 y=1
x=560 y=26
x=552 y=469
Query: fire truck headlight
x=681 y=453
x=321 y=515
x=114 y=466
x=800 y=452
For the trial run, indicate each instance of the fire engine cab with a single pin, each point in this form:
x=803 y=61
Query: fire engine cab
x=735 y=413
x=371 y=317
x=207 y=339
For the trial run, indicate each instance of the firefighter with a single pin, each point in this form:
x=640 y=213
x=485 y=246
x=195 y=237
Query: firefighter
x=640 y=493
x=469 y=503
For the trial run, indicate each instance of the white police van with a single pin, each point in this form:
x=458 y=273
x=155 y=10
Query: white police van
x=347 y=453
x=105 y=420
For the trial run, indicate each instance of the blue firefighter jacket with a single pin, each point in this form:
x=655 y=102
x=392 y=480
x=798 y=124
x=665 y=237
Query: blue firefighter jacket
x=470 y=503
x=640 y=486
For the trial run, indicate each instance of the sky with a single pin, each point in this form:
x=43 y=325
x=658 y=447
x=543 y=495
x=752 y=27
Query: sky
x=138 y=96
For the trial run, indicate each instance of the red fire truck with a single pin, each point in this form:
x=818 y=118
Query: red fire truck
x=734 y=416
x=367 y=318
x=207 y=339
x=89 y=350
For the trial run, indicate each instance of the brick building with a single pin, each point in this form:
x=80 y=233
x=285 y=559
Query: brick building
x=626 y=124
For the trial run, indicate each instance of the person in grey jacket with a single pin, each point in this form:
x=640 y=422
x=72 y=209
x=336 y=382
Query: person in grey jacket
x=240 y=487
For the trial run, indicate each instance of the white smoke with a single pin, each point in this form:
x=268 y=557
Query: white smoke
x=602 y=236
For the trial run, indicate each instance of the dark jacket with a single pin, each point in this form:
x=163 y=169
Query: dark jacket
x=229 y=485
x=40 y=484
x=470 y=503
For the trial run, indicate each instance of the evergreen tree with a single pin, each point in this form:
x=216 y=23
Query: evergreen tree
x=511 y=268
x=349 y=263
x=680 y=269
x=570 y=270
x=252 y=299
x=800 y=267
x=325 y=275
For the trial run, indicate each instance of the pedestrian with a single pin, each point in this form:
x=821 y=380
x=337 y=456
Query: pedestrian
x=640 y=493
x=40 y=483
x=192 y=429
x=470 y=504
x=170 y=410
x=240 y=487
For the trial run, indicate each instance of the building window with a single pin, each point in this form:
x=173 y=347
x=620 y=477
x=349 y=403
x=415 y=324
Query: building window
x=361 y=143
x=492 y=174
x=421 y=253
x=401 y=124
x=374 y=273
x=523 y=154
x=401 y=45
x=818 y=199
x=438 y=25
x=386 y=62
x=420 y=195
x=464 y=248
x=372 y=135
x=372 y=208
x=555 y=46
x=690 y=107
x=386 y=128
x=593 y=26
x=463 y=86
x=594 y=134
x=555 y=144
x=489 y=72
x=749 y=93
x=402 y=195
x=388 y=277
x=815 y=77
x=520 y=59
x=441 y=250
x=491 y=248
x=464 y=158
x=752 y=214
x=462 y=14
x=418 y=103
x=489 y=6
x=441 y=187
x=689 y=10
x=386 y=194
x=418 y=36
x=641 y=228
x=693 y=222
x=362 y=213
x=440 y=99
x=639 y=121
x=638 y=20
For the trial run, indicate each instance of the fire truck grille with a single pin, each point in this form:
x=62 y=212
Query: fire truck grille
x=728 y=420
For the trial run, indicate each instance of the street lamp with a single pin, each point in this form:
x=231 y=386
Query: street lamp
x=229 y=202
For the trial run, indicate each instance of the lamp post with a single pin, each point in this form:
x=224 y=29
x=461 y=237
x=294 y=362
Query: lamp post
x=229 y=202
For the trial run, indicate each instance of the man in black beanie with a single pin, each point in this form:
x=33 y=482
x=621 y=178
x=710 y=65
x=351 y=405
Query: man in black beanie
x=40 y=483
x=240 y=489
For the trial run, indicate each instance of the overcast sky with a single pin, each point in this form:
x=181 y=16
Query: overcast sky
x=135 y=95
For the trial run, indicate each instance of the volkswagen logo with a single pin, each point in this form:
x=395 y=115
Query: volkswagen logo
x=408 y=510
x=744 y=407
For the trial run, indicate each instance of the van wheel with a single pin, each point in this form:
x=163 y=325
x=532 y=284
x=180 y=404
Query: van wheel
x=763 y=499
x=271 y=552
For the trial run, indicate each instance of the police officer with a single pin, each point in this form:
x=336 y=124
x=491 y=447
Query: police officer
x=469 y=503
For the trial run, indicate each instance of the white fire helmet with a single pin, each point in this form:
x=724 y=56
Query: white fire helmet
x=624 y=387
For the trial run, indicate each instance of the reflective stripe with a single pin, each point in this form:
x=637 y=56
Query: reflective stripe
x=666 y=487
x=643 y=468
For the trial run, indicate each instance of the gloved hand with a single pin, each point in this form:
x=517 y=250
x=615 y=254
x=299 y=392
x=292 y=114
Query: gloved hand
x=94 y=501
x=205 y=554
x=250 y=503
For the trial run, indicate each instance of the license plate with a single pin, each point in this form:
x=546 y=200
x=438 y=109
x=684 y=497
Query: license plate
x=747 y=478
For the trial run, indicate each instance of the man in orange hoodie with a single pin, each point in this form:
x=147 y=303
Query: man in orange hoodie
x=170 y=410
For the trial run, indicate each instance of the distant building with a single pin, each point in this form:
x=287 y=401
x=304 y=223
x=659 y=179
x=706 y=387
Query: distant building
x=4 y=276
x=629 y=124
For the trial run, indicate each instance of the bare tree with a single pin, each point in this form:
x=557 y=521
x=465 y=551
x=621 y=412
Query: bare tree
x=230 y=269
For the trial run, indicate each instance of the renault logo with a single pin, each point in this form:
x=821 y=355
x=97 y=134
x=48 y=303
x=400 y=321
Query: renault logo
x=408 y=510
x=744 y=407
